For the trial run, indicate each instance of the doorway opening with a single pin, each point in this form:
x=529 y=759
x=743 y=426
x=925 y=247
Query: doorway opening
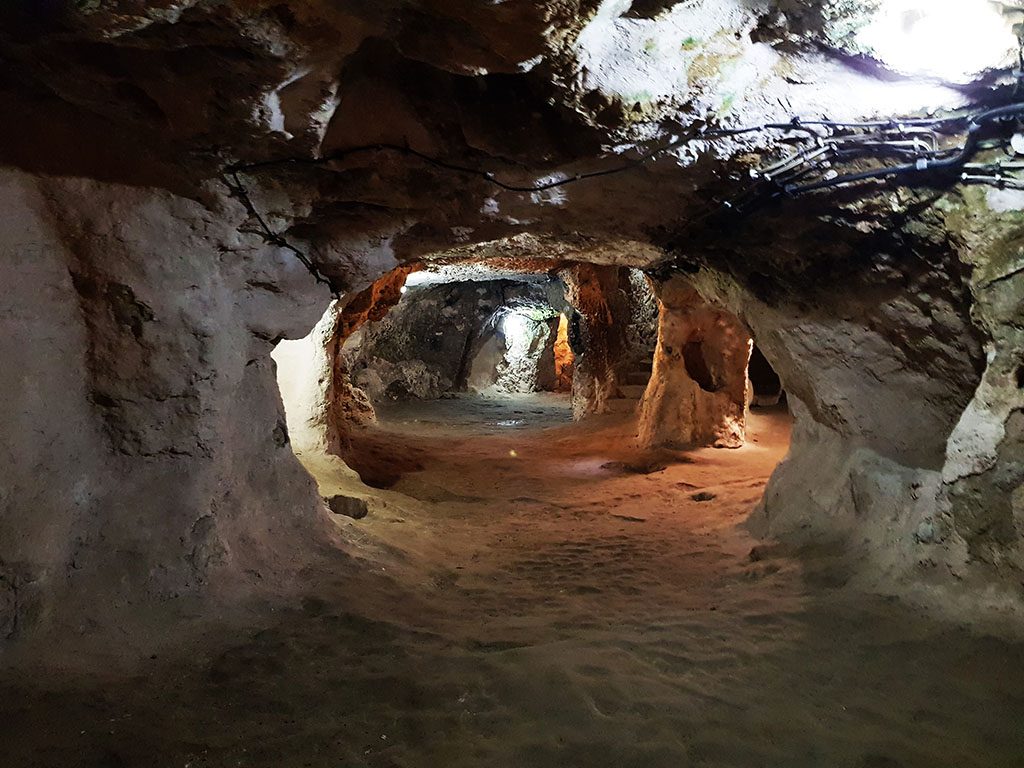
x=765 y=384
x=476 y=350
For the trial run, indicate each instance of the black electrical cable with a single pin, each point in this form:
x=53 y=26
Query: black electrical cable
x=489 y=176
x=796 y=124
x=923 y=163
x=238 y=190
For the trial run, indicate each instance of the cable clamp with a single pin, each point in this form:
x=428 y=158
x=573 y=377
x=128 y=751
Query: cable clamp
x=922 y=164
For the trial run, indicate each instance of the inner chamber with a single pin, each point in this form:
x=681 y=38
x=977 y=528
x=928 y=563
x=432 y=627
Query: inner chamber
x=631 y=379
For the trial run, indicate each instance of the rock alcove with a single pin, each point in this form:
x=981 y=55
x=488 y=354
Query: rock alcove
x=638 y=350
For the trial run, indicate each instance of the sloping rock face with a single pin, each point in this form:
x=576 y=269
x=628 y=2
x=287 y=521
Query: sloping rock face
x=189 y=182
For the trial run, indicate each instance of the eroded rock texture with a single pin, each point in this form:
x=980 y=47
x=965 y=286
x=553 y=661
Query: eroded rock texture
x=147 y=456
x=698 y=389
x=879 y=363
x=612 y=331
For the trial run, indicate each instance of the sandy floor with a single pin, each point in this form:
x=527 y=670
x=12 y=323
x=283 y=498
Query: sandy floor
x=534 y=594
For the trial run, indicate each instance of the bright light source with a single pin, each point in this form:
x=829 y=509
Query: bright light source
x=514 y=326
x=947 y=39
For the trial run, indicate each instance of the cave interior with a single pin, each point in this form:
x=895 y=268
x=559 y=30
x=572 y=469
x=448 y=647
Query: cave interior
x=422 y=383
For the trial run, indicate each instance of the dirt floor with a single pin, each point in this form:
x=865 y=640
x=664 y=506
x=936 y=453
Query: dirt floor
x=531 y=593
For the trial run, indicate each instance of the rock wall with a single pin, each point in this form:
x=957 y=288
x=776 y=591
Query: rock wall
x=613 y=332
x=564 y=357
x=644 y=319
x=697 y=394
x=983 y=473
x=884 y=369
x=306 y=379
x=527 y=361
x=146 y=458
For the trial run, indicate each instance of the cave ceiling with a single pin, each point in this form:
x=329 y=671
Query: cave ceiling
x=370 y=133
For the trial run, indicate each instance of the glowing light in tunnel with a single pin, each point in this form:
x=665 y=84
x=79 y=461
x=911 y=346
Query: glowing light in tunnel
x=946 y=39
x=515 y=327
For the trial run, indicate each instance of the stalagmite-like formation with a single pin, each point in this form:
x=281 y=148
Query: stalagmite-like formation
x=698 y=389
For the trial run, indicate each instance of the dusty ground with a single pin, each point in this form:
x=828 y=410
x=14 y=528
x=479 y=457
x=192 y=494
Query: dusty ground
x=532 y=594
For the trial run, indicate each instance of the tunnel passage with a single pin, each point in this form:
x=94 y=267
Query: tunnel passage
x=510 y=328
x=765 y=384
x=472 y=343
x=486 y=336
x=465 y=333
x=189 y=182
